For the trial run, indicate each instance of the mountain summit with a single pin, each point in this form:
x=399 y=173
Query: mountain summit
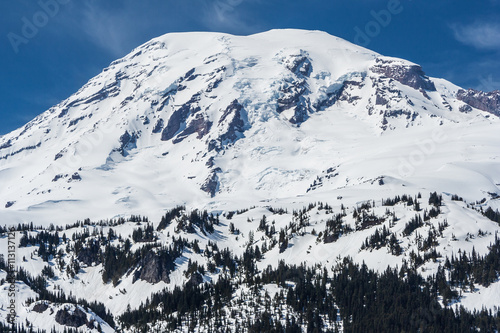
x=219 y=121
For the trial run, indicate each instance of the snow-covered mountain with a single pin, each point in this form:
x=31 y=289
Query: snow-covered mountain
x=246 y=126
x=214 y=120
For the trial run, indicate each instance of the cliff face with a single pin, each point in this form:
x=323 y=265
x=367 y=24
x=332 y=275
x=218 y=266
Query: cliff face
x=407 y=74
x=486 y=101
x=155 y=267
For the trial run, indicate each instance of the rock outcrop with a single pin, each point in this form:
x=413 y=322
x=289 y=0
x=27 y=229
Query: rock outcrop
x=489 y=102
x=71 y=316
x=155 y=267
x=409 y=75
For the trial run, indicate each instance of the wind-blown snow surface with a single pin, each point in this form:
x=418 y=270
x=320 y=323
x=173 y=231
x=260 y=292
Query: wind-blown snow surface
x=283 y=119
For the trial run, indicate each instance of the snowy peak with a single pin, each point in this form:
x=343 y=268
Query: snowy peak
x=219 y=115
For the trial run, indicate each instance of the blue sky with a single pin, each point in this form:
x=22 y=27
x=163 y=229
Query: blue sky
x=70 y=41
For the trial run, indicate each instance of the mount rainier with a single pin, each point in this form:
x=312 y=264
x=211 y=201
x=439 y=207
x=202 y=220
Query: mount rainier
x=292 y=125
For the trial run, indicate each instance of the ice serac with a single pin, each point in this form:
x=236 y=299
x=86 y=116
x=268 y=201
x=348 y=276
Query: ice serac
x=216 y=119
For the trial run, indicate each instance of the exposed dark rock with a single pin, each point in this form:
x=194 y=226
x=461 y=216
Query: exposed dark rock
x=232 y=109
x=58 y=155
x=6 y=144
x=136 y=54
x=40 y=307
x=111 y=90
x=192 y=77
x=299 y=64
x=26 y=128
x=9 y=204
x=199 y=125
x=397 y=113
x=158 y=126
x=330 y=100
x=345 y=96
x=155 y=267
x=21 y=150
x=166 y=99
x=196 y=279
x=76 y=177
x=291 y=94
x=301 y=112
x=214 y=84
x=466 y=108
x=174 y=123
x=188 y=74
x=339 y=95
x=446 y=104
x=489 y=102
x=127 y=142
x=210 y=163
x=294 y=93
x=88 y=256
x=75 y=318
x=121 y=75
x=236 y=124
x=210 y=59
x=494 y=195
x=215 y=79
x=381 y=100
x=233 y=117
x=75 y=121
x=213 y=144
x=409 y=75
x=175 y=88
x=63 y=112
x=211 y=185
x=384 y=123
x=353 y=83
x=126 y=100
x=424 y=93
x=179 y=117
x=57 y=177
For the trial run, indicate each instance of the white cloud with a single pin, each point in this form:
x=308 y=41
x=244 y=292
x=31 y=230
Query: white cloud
x=228 y=15
x=116 y=28
x=107 y=29
x=481 y=35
